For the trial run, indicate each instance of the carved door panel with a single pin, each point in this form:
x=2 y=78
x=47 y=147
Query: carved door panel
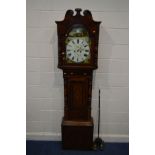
x=78 y=98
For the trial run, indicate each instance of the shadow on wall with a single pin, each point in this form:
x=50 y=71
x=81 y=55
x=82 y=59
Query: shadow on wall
x=54 y=42
x=58 y=81
x=104 y=38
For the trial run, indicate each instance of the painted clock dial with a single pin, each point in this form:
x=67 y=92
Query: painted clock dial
x=78 y=45
x=77 y=50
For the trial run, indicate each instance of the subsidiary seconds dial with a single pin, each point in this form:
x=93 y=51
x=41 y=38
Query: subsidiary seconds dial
x=77 y=50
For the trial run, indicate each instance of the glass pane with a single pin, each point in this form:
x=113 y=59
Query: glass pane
x=78 y=45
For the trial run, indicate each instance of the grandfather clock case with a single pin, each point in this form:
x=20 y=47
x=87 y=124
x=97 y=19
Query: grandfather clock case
x=78 y=36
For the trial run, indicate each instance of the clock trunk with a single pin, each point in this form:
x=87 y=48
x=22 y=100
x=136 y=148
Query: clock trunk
x=77 y=124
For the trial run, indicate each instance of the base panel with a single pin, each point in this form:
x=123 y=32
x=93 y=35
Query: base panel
x=77 y=135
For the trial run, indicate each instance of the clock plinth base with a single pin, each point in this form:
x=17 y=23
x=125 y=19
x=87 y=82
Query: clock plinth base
x=77 y=134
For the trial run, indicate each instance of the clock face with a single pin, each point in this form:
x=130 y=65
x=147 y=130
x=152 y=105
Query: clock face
x=77 y=50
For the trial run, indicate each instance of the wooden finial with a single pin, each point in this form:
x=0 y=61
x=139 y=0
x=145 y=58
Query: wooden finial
x=78 y=10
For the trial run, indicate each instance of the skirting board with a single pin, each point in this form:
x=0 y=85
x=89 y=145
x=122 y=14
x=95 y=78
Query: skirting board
x=48 y=136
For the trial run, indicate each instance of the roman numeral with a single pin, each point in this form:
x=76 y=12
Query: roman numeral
x=69 y=54
x=73 y=42
x=78 y=41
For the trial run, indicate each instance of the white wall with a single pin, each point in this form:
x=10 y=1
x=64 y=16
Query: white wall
x=44 y=79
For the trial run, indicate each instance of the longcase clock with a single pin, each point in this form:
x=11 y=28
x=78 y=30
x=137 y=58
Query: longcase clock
x=77 y=56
